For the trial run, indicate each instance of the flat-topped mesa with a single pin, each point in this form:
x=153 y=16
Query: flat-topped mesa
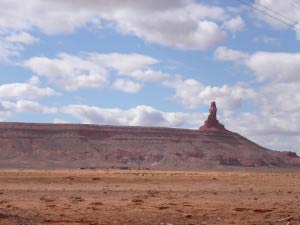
x=212 y=123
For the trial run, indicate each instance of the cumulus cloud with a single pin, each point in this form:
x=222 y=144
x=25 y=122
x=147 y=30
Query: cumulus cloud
x=275 y=66
x=280 y=100
x=13 y=44
x=176 y=25
x=197 y=35
x=28 y=90
x=289 y=10
x=150 y=75
x=4 y=113
x=277 y=113
x=69 y=72
x=192 y=93
x=140 y=115
x=183 y=24
x=234 y=24
x=127 y=86
x=25 y=106
x=124 y=64
x=267 y=66
x=22 y=37
x=8 y=50
x=276 y=131
x=92 y=70
x=225 y=54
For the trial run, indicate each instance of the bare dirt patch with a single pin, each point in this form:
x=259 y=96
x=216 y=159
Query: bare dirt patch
x=133 y=197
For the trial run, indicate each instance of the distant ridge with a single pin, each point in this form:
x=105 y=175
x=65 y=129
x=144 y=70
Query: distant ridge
x=33 y=145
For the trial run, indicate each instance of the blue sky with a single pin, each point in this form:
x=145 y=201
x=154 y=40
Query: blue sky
x=154 y=63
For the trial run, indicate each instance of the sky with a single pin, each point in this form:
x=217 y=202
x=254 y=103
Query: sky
x=154 y=63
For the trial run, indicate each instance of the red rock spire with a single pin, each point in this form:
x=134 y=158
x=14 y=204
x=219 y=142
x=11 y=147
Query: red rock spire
x=212 y=123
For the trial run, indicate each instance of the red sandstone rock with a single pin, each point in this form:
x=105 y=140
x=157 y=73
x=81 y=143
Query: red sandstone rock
x=292 y=154
x=212 y=123
x=24 y=145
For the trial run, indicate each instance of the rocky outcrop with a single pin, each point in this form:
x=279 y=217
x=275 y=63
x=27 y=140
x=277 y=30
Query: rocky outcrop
x=27 y=145
x=212 y=123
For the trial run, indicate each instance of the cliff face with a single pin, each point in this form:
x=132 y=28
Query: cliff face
x=24 y=145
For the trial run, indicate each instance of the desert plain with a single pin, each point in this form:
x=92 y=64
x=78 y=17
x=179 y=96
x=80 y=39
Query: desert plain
x=146 y=197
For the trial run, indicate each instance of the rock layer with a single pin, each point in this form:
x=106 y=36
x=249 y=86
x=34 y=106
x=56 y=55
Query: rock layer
x=28 y=145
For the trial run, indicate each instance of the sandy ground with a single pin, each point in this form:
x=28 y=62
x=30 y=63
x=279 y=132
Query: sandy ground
x=115 y=197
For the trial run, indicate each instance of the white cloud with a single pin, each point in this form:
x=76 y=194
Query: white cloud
x=48 y=16
x=235 y=24
x=275 y=66
x=22 y=37
x=69 y=72
x=88 y=70
x=8 y=50
x=26 y=106
x=287 y=11
x=29 y=90
x=150 y=75
x=191 y=93
x=123 y=63
x=225 y=54
x=267 y=66
x=183 y=24
x=12 y=44
x=177 y=24
x=92 y=70
x=138 y=116
x=4 y=114
x=185 y=34
x=276 y=131
x=280 y=100
x=133 y=65
x=127 y=86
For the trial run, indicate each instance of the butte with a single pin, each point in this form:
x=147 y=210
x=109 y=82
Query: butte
x=33 y=145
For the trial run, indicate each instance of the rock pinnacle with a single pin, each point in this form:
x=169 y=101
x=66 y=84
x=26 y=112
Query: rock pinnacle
x=212 y=123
